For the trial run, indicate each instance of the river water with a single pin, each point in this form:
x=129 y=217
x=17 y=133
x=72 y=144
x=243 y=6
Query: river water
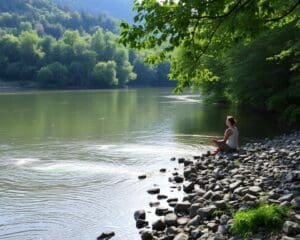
x=69 y=160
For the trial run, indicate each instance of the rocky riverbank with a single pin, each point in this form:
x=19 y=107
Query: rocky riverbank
x=218 y=186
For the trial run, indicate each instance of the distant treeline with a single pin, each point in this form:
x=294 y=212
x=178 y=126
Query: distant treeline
x=43 y=45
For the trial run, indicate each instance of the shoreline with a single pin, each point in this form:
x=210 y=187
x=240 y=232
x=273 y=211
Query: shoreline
x=214 y=186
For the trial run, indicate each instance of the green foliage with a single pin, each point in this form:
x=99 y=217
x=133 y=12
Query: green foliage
x=49 y=19
x=104 y=73
x=245 y=51
x=258 y=80
x=44 y=45
x=266 y=217
x=53 y=75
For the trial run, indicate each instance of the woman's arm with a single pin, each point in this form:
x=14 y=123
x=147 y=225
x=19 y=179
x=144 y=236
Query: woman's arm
x=227 y=134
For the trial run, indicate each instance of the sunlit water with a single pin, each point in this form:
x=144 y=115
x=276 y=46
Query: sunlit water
x=69 y=160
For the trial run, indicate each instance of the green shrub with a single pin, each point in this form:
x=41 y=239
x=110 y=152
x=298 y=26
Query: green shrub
x=266 y=217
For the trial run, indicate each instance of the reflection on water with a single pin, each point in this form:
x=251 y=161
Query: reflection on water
x=69 y=160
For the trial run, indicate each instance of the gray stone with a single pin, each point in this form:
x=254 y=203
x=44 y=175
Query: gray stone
x=208 y=194
x=139 y=214
x=234 y=185
x=289 y=177
x=255 y=190
x=196 y=233
x=288 y=238
x=193 y=209
x=178 y=179
x=286 y=197
x=188 y=187
x=154 y=204
x=140 y=223
x=182 y=220
x=106 y=235
x=182 y=207
x=153 y=191
x=161 y=196
x=172 y=231
x=171 y=219
x=291 y=228
x=213 y=226
x=181 y=236
x=146 y=235
x=160 y=211
x=296 y=203
x=206 y=212
x=159 y=225
x=194 y=221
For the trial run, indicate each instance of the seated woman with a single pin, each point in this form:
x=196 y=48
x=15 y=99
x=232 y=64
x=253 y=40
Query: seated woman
x=230 y=139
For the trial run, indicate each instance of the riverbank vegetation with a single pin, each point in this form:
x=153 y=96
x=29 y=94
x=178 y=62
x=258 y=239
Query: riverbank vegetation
x=244 y=51
x=43 y=45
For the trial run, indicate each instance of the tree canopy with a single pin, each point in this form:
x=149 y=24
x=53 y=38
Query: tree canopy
x=203 y=39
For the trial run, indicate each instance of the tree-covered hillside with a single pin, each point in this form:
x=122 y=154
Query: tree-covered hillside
x=43 y=45
x=121 y=9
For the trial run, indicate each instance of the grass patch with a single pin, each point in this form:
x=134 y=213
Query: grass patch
x=266 y=217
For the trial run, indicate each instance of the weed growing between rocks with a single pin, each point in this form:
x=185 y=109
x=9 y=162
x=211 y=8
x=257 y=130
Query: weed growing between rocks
x=265 y=217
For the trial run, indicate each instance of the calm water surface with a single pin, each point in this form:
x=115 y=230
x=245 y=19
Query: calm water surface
x=69 y=160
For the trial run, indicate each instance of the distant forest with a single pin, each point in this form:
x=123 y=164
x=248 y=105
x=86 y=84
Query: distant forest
x=49 y=46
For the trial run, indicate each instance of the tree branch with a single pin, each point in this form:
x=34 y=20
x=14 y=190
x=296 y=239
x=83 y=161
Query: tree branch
x=219 y=16
x=285 y=14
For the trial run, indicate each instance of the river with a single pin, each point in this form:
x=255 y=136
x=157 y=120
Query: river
x=69 y=160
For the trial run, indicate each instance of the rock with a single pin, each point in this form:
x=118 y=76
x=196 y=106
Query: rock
x=221 y=229
x=289 y=177
x=178 y=179
x=255 y=190
x=224 y=219
x=187 y=162
x=153 y=191
x=162 y=170
x=196 y=233
x=171 y=219
x=146 y=235
x=159 y=225
x=154 y=204
x=208 y=194
x=206 y=212
x=286 y=197
x=140 y=223
x=172 y=159
x=221 y=204
x=188 y=187
x=193 y=209
x=288 y=238
x=181 y=236
x=182 y=220
x=296 y=203
x=140 y=214
x=142 y=176
x=234 y=185
x=212 y=226
x=161 y=196
x=194 y=221
x=181 y=160
x=291 y=228
x=182 y=207
x=106 y=235
x=160 y=211
x=172 y=200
